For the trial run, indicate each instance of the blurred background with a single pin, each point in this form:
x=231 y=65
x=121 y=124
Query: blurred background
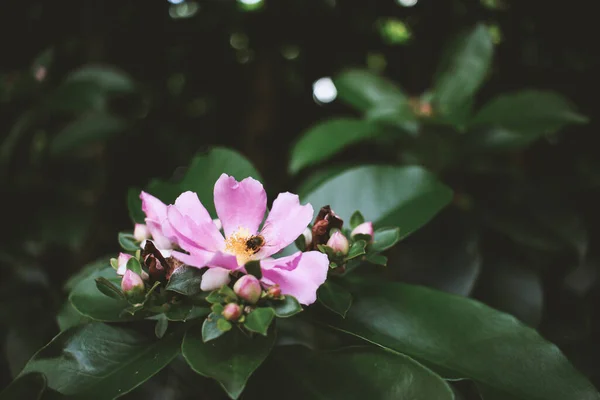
x=97 y=97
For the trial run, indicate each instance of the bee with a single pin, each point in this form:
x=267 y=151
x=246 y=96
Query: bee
x=255 y=243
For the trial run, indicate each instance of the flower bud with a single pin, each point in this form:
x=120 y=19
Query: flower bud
x=218 y=223
x=274 y=292
x=307 y=237
x=339 y=243
x=141 y=232
x=122 y=263
x=366 y=228
x=232 y=312
x=132 y=285
x=248 y=288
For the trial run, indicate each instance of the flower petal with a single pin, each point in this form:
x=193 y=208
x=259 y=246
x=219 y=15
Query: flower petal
x=192 y=226
x=302 y=281
x=156 y=221
x=240 y=204
x=286 y=221
x=204 y=258
x=214 y=278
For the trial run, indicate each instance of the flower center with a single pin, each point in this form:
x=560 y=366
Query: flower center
x=237 y=245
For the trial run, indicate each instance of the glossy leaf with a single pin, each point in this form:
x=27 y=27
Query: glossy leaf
x=323 y=140
x=253 y=268
x=127 y=242
x=259 y=320
x=230 y=360
x=109 y=80
x=356 y=373
x=286 y=307
x=365 y=90
x=357 y=249
x=384 y=238
x=517 y=119
x=68 y=317
x=335 y=297
x=185 y=280
x=162 y=324
x=210 y=329
x=407 y=197
x=464 y=336
x=356 y=219
x=464 y=70
x=99 y=361
x=29 y=386
x=109 y=289
x=90 y=302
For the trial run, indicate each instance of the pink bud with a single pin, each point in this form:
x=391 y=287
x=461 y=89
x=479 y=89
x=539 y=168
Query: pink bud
x=366 y=228
x=122 y=263
x=141 y=232
x=248 y=288
x=274 y=292
x=232 y=312
x=339 y=243
x=132 y=283
x=218 y=223
x=307 y=237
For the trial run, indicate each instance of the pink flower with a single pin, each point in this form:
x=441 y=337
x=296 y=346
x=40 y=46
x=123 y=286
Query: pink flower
x=156 y=222
x=141 y=232
x=132 y=282
x=339 y=243
x=241 y=208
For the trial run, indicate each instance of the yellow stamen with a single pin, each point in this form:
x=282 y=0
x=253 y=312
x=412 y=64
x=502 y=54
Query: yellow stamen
x=235 y=244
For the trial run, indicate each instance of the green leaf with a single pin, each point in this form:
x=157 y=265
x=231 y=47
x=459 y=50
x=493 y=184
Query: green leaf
x=185 y=312
x=162 y=324
x=224 y=325
x=128 y=242
x=102 y=361
x=29 y=386
x=134 y=205
x=85 y=272
x=210 y=329
x=286 y=307
x=68 y=317
x=464 y=336
x=90 y=302
x=259 y=320
x=300 y=243
x=109 y=289
x=320 y=142
x=110 y=80
x=355 y=373
x=407 y=197
x=377 y=259
x=335 y=297
x=185 y=280
x=205 y=169
x=365 y=90
x=88 y=128
x=356 y=219
x=461 y=74
x=230 y=360
x=357 y=249
x=384 y=238
x=517 y=119
x=253 y=268
x=134 y=265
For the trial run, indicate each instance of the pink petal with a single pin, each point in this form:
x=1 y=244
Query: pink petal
x=156 y=221
x=240 y=204
x=204 y=258
x=192 y=226
x=286 y=221
x=301 y=282
x=214 y=278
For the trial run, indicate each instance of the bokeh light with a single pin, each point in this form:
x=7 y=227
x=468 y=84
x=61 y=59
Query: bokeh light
x=184 y=9
x=250 y=5
x=394 y=31
x=324 y=90
x=407 y=3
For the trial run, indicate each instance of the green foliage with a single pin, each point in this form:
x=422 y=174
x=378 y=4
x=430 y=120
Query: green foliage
x=185 y=280
x=335 y=298
x=27 y=386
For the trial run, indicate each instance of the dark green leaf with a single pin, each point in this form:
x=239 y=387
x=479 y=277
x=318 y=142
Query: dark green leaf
x=230 y=360
x=377 y=259
x=355 y=373
x=300 y=243
x=253 y=268
x=128 y=242
x=101 y=361
x=365 y=90
x=77 y=97
x=384 y=238
x=515 y=120
x=462 y=335
x=88 y=128
x=185 y=280
x=356 y=219
x=224 y=325
x=90 y=302
x=134 y=204
x=407 y=197
x=185 y=312
x=68 y=317
x=85 y=272
x=29 y=386
x=286 y=307
x=162 y=323
x=357 y=249
x=327 y=138
x=259 y=320
x=210 y=330
x=134 y=265
x=465 y=69
x=109 y=289
x=109 y=80
x=335 y=297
